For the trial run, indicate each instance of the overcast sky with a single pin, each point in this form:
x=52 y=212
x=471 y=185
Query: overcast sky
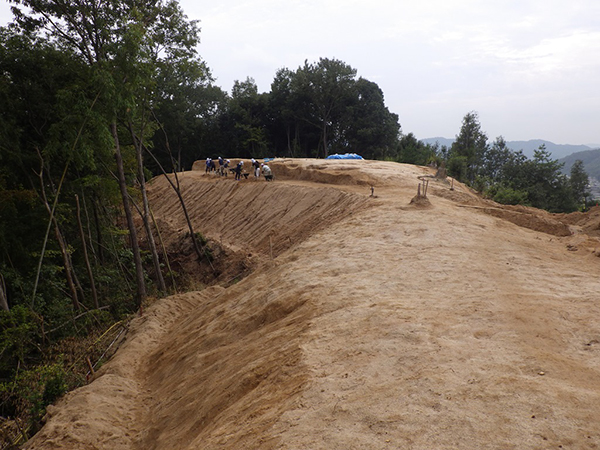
x=529 y=68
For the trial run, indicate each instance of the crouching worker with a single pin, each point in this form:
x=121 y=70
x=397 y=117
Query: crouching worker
x=238 y=170
x=266 y=170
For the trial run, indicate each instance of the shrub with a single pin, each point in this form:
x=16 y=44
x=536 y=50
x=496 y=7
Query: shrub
x=28 y=395
x=509 y=196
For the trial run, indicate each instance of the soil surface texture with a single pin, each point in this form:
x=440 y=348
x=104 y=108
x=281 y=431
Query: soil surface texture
x=350 y=313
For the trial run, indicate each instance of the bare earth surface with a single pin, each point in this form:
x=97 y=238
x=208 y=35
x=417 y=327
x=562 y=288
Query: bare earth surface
x=378 y=324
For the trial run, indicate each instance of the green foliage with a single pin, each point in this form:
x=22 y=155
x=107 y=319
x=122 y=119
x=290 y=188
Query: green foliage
x=19 y=339
x=579 y=182
x=458 y=167
x=413 y=151
x=470 y=146
x=31 y=391
x=370 y=127
x=507 y=195
x=508 y=176
x=206 y=250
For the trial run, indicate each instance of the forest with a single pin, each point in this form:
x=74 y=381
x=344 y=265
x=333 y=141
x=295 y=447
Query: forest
x=99 y=97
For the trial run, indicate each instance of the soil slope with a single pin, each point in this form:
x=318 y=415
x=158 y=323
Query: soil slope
x=368 y=322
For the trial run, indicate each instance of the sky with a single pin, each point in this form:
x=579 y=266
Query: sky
x=530 y=69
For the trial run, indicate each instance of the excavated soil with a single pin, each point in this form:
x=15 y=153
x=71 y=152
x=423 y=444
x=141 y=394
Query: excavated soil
x=364 y=322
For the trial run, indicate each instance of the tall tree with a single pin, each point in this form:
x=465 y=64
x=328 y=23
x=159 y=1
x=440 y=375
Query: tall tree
x=469 y=147
x=247 y=119
x=284 y=123
x=370 y=128
x=329 y=85
x=123 y=43
x=580 y=182
x=413 y=151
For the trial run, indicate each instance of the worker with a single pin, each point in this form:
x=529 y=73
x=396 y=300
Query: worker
x=256 y=168
x=266 y=170
x=238 y=170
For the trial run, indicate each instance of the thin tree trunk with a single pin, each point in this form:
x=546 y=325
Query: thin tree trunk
x=75 y=277
x=288 y=135
x=325 y=140
x=99 y=240
x=139 y=270
x=177 y=190
x=89 y=227
x=67 y=263
x=165 y=254
x=3 y=299
x=85 y=255
x=146 y=211
x=59 y=238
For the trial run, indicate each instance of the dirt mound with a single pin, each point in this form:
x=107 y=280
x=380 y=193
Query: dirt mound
x=588 y=222
x=530 y=218
x=337 y=172
x=383 y=326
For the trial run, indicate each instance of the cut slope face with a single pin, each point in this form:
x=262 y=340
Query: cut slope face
x=247 y=220
x=391 y=327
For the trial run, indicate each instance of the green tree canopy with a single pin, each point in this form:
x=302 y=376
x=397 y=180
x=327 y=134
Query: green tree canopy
x=579 y=181
x=469 y=147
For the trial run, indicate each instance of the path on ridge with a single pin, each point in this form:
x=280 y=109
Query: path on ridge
x=392 y=327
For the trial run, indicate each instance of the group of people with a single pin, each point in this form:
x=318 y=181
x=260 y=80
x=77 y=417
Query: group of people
x=257 y=168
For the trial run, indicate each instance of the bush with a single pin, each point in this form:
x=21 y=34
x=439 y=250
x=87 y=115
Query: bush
x=19 y=338
x=509 y=196
x=28 y=395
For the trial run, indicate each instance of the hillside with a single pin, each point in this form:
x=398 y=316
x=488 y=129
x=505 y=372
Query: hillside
x=590 y=159
x=360 y=323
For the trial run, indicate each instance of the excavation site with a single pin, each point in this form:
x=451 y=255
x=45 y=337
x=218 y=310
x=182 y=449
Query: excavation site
x=354 y=304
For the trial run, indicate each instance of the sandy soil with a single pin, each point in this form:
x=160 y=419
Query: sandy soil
x=377 y=323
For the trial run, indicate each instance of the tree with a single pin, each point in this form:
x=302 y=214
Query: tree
x=125 y=44
x=579 y=181
x=494 y=159
x=246 y=119
x=41 y=132
x=188 y=106
x=369 y=128
x=322 y=107
x=328 y=85
x=413 y=151
x=470 y=146
x=284 y=109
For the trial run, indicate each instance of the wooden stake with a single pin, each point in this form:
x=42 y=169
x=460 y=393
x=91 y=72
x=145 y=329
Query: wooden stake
x=90 y=366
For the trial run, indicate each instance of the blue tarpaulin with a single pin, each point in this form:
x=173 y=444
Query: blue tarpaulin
x=345 y=156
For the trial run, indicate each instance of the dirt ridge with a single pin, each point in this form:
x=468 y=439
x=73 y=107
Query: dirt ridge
x=385 y=326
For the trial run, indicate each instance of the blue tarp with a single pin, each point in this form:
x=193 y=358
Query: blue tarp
x=345 y=156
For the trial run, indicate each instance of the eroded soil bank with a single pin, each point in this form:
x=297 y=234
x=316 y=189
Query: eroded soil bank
x=376 y=323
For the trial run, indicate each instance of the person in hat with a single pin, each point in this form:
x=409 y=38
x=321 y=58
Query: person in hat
x=238 y=170
x=256 y=167
x=266 y=170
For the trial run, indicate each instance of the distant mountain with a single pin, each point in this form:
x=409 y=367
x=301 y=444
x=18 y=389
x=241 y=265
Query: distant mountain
x=557 y=150
x=440 y=140
x=590 y=159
